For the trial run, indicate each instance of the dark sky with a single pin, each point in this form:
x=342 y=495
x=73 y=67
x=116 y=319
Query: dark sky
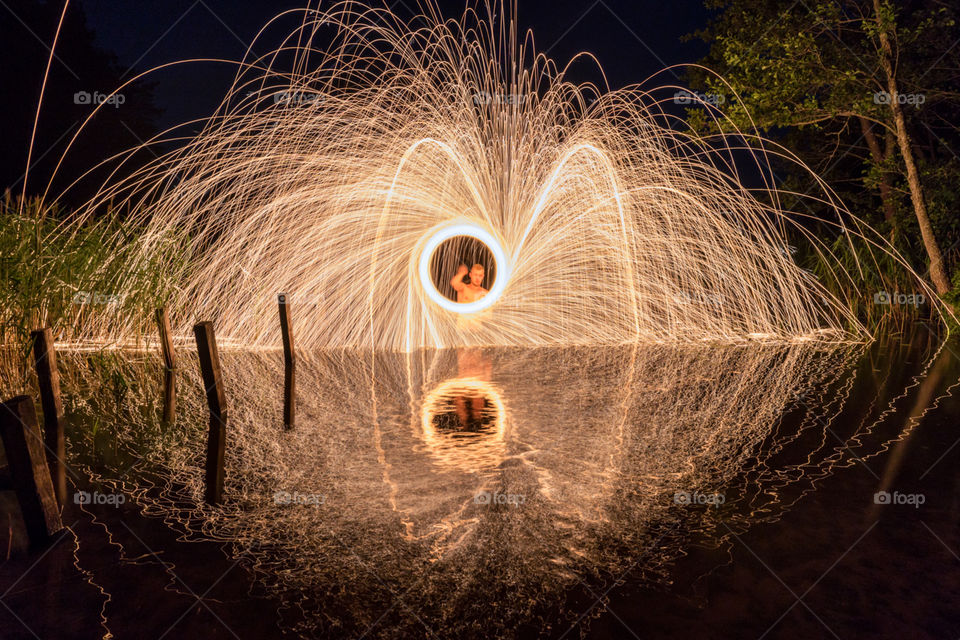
x=632 y=39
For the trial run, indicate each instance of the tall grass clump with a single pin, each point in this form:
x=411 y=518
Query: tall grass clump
x=56 y=271
x=883 y=295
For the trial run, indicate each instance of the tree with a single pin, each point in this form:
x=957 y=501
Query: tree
x=81 y=74
x=859 y=76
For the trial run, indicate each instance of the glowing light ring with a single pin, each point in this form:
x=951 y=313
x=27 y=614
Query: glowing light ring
x=499 y=257
x=479 y=454
x=433 y=401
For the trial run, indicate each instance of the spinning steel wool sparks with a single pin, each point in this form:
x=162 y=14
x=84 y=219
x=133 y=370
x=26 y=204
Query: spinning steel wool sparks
x=338 y=175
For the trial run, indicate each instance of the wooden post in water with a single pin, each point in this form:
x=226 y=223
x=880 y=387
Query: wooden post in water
x=216 y=401
x=48 y=377
x=166 y=341
x=169 y=398
x=29 y=472
x=289 y=362
x=169 y=364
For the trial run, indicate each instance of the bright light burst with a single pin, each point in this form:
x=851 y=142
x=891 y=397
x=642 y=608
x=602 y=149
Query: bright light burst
x=330 y=174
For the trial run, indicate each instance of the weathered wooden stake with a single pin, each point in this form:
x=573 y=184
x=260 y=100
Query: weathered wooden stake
x=166 y=341
x=216 y=401
x=169 y=364
x=48 y=376
x=29 y=472
x=289 y=363
x=169 y=398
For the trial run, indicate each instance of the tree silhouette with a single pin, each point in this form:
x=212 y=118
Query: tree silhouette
x=81 y=74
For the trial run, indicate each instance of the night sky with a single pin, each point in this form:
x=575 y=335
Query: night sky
x=632 y=40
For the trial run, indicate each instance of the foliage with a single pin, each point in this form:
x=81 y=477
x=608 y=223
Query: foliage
x=882 y=286
x=809 y=75
x=82 y=74
x=54 y=271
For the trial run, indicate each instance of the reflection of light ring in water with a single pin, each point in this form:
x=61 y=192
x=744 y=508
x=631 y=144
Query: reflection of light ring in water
x=478 y=233
x=484 y=452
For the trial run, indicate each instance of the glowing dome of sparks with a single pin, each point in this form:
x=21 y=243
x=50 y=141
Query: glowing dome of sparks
x=333 y=174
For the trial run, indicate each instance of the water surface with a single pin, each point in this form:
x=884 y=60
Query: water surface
x=653 y=491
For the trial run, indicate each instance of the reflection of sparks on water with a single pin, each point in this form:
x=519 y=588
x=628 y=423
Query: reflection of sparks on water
x=597 y=476
x=463 y=424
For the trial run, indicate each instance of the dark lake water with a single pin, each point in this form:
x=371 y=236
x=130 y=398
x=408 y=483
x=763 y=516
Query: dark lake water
x=651 y=492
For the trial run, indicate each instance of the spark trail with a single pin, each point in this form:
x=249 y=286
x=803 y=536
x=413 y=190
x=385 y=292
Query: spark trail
x=329 y=173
